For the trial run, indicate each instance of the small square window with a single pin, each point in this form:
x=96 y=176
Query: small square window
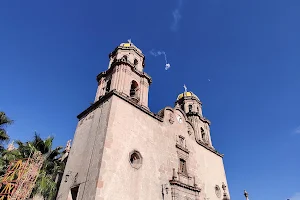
x=182 y=167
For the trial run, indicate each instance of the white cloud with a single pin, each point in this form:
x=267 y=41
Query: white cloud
x=296 y=196
x=176 y=16
x=297 y=130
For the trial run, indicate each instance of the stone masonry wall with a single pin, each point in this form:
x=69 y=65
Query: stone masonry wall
x=85 y=157
x=131 y=129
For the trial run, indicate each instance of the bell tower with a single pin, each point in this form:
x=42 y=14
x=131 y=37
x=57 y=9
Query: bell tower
x=125 y=75
x=192 y=106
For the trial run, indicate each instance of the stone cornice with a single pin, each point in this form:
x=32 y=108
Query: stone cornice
x=182 y=148
x=119 y=62
x=180 y=184
x=142 y=74
x=200 y=117
x=188 y=98
x=126 y=48
x=122 y=96
x=209 y=148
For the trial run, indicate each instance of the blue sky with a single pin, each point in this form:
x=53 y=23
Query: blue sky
x=240 y=57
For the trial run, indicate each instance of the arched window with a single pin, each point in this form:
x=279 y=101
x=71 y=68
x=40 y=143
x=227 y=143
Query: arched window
x=107 y=89
x=197 y=109
x=202 y=134
x=133 y=88
x=190 y=108
x=124 y=58
x=135 y=62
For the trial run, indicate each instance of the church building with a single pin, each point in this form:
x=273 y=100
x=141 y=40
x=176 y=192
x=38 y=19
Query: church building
x=123 y=151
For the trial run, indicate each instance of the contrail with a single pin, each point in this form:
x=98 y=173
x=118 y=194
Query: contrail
x=159 y=53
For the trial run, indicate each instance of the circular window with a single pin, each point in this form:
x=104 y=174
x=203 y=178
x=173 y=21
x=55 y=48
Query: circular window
x=135 y=159
x=218 y=191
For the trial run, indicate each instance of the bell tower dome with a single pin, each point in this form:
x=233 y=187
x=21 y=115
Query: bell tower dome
x=125 y=75
x=192 y=107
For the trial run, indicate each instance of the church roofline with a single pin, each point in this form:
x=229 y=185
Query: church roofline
x=134 y=48
x=210 y=149
x=148 y=112
x=122 y=96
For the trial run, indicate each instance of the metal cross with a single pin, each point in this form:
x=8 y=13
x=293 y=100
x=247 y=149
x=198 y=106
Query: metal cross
x=246 y=194
x=185 y=88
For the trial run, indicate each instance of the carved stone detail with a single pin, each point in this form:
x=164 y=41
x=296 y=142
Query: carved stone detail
x=225 y=196
x=171 y=120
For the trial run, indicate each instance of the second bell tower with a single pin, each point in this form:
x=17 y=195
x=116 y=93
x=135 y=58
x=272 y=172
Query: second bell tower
x=192 y=106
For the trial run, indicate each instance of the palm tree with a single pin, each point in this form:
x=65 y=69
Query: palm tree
x=4 y=121
x=6 y=157
x=4 y=160
x=52 y=165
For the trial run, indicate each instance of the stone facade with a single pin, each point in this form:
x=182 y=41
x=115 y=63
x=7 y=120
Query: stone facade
x=121 y=150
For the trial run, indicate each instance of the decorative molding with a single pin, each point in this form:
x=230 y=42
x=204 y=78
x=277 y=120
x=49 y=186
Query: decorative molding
x=190 y=129
x=200 y=117
x=119 y=62
x=188 y=98
x=182 y=148
x=131 y=65
x=180 y=184
x=171 y=120
x=185 y=175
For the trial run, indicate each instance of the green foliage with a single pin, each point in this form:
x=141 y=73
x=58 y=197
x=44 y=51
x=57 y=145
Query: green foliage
x=52 y=165
x=45 y=186
x=4 y=121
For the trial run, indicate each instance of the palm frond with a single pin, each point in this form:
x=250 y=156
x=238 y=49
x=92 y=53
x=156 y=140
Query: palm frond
x=3 y=135
x=4 y=120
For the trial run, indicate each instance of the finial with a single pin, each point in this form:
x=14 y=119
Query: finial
x=185 y=88
x=68 y=146
x=246 y=194
x=129 y=41
x=195 y=185
x=11 y=146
